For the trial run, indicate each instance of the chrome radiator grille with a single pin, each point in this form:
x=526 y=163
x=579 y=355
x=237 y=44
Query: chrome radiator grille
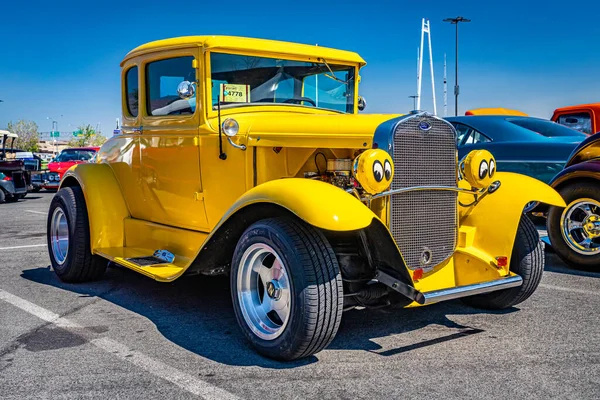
x=424 y=222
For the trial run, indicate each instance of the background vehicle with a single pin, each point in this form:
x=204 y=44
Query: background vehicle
x=495 y=111
x=65 y=160
x=248 y=157
x=14 y=179
x=531 y=146
x=574 y=231
x=582 y=117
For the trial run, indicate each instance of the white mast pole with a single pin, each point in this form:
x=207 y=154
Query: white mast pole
x=431 y=67
x=445 y=89
x=420 y=65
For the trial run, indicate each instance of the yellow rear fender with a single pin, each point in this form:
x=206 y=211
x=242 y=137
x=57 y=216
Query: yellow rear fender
x=106 y=206
x=495 y=219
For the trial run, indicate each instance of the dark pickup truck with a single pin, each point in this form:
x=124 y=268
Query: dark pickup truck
x=14 y=178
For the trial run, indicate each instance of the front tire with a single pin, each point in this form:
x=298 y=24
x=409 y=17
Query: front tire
x=574 y=231
x=68 y=234
x=527 y=260
x=286 y=288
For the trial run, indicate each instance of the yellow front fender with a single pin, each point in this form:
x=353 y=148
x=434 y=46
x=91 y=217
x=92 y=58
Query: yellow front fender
x=106 y=207
x=318 y=203
x=496 y=217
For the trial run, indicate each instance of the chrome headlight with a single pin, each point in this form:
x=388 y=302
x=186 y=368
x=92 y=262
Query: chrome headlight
x=230 y=127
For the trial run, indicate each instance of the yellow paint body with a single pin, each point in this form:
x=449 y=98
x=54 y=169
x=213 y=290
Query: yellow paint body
x=160 y=184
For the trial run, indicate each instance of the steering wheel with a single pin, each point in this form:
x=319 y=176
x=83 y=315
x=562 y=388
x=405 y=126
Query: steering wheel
x=298 y=100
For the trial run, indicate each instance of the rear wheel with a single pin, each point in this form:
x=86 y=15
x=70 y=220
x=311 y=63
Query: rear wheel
x=574 y=231
x=527 y=260
x=286 y=288
x=2 y=196
x=68 y=235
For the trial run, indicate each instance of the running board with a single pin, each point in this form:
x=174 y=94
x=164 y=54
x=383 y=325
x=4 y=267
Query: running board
x=449 y=293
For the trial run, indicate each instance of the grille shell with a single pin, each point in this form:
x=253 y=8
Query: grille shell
x=424 y=221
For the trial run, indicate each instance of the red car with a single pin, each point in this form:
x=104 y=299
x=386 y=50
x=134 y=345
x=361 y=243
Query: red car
x=65 y=160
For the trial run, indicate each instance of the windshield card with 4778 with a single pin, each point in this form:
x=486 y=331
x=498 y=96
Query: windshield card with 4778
x=233 y=93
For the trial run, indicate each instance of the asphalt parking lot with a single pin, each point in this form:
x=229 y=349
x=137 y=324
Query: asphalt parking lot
x=130 y=337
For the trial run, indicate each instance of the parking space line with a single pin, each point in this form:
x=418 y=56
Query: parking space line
x=23 y=247
x=36 y=212
x=179 y=378
x=565 y=289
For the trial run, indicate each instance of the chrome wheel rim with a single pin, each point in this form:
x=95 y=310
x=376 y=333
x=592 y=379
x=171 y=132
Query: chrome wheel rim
x=263 y=291
x=59 y=236
x=580 y=226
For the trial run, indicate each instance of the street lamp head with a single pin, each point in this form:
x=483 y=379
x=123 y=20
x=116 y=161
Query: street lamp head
x=456 y=20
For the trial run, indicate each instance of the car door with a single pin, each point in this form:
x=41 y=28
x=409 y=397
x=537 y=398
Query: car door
x=169 y=142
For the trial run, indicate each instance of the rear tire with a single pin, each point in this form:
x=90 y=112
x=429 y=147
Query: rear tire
x=586 y=192
x=2 y=196
x=527 y=260
x=304 y=288
x=68 y=233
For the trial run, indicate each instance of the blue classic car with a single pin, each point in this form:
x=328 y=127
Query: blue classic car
x=531 y=146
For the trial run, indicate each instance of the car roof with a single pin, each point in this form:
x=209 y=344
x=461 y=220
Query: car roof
x=238 y=43
x=499 y=127
x=7 y=133
x=594 y=106
x=82 y=148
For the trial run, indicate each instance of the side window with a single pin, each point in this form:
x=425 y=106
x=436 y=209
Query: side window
x=462 y=131
x=131 y=83
x=162 y=78
x=468 y=135
x=579 y=121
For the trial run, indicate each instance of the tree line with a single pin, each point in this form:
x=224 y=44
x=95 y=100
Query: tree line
x=29 y=137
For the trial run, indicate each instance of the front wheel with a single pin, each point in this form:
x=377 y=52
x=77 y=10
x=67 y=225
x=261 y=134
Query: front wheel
x=527 y=260
x=286 y=288
x=68 y=234
x=574 y=231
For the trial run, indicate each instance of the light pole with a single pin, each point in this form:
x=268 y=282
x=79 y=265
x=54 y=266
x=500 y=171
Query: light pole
x=455 y=21
x=414 y=97
x=54 y=129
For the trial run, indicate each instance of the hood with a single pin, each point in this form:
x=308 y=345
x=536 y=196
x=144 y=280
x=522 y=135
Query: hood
x=308 y=130
x=62 y=167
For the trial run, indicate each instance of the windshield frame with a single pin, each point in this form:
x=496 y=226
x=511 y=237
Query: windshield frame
x=212 y=112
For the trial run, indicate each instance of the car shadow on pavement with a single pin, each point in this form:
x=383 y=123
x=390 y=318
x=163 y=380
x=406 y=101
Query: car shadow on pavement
x=196 y=314
x=555 y=264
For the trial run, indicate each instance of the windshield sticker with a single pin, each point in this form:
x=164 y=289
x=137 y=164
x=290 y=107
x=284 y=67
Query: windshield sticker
x=231 y=93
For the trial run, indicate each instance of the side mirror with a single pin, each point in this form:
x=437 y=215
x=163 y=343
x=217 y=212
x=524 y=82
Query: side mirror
x=362 y=103
x=186 y=90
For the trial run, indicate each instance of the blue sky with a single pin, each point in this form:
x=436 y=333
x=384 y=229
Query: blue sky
x=62 y=57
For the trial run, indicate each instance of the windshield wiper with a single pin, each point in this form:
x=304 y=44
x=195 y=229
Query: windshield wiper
x=332 y=76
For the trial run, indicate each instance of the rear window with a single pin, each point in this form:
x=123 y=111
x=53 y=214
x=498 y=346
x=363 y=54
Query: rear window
x=545 y=128
x=75 y=155
x=579 y=121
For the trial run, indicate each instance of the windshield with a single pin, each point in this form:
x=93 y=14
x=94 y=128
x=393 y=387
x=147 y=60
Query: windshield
x=546 y=128
x=273 y=80
x=74 y=155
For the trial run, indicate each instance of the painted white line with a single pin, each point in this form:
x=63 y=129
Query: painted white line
x=179 y=378
x=155 y=367
x=23 y=247
x=36 y=310
x=36 y=212
x=565 y=289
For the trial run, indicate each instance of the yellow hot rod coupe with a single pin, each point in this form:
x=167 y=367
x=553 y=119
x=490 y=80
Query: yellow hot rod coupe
x=248 y=157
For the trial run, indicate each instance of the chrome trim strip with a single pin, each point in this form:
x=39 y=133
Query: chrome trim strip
x=442 y=188
x=470 y=290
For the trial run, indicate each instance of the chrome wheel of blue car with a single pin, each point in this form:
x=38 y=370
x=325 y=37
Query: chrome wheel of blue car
x=580 y=223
